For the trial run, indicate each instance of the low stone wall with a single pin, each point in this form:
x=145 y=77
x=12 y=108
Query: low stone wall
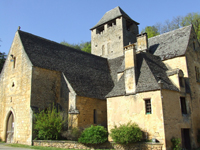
x=107 y=145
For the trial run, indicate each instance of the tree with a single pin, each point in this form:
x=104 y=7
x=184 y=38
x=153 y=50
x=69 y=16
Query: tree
x=2 y=60
x=192 y=18
x=177 y=22
x=151 y=31
x=84 y=46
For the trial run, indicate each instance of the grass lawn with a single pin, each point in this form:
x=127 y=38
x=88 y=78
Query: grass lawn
x=38 y=147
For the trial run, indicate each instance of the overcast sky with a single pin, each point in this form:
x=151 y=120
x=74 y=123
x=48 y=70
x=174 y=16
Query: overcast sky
x=70 y=20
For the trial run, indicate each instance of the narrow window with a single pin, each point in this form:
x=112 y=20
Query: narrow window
x=95 y=116
x=181 y=83
x=14 y=62
x=197 y=74
x=183 y=105
x=103 y=50
x=193 y=45
x=13 y=84
x=148 y=106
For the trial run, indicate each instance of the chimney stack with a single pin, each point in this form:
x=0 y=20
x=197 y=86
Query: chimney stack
x=130 y=67
x=142 y=42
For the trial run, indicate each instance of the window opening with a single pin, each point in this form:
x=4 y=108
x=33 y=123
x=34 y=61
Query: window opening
x=95 y=116
x=197 y=74
x=183 y=105
x=103 y=50
x=100 y=30
x=148 y=106
x=193 y=45
x=13 y=84
x=112 y=23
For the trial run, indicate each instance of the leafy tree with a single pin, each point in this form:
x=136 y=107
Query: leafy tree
x=151 y=31
x=175 y=23
x=48 y=124
x=2 y=60
x=192 y=18
x=84 y=46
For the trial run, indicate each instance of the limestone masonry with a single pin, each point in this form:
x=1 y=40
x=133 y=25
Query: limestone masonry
x=153 y=82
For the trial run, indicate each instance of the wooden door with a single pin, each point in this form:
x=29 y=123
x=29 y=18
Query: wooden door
x=10 y=129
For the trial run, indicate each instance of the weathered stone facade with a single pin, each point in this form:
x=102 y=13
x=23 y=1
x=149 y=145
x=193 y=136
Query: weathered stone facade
x=152 y=82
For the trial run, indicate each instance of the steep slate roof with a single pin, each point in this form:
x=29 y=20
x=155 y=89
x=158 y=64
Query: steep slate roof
x=112 y=14
x=88 y=74
x=170 y=44
x=150 y=69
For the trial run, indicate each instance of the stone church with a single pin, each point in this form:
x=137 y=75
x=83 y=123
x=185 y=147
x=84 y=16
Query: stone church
x=153 y=82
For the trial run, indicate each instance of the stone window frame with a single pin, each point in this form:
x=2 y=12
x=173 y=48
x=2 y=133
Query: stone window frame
x=148 y=106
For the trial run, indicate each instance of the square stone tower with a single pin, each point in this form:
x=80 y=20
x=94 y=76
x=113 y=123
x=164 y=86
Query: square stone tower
x=114 y=31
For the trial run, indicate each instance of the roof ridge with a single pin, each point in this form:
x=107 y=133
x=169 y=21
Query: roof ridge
x=76 y=50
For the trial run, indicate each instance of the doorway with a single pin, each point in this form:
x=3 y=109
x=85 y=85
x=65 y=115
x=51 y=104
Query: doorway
x=10 y=129
x=185 y=133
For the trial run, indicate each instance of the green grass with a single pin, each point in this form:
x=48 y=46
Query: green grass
x=38 y=147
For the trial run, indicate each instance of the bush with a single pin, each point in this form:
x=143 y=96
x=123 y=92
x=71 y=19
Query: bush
x=176 y=143
x=126 y=133
x=94 y=135
x=48 y=124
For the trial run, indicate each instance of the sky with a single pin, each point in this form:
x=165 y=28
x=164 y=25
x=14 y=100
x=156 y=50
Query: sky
x=71 y=20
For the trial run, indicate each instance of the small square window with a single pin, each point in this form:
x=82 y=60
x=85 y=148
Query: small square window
x=183 y=105
x=148 y=106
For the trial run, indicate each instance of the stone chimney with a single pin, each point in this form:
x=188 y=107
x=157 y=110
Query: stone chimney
x=142 y=42
x=130 y=67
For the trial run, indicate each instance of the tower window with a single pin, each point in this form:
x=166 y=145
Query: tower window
x=100 y=30
x=112 y=23
x=148 y=106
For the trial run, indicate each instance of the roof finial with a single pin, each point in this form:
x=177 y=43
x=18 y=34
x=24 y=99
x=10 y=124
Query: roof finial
x=19 y=27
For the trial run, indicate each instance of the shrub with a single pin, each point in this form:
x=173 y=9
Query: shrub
x=48 y=124
x=176 y=143
x=94 y=135
x=126 y=133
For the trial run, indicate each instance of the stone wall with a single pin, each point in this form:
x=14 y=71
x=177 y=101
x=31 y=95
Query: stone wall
x=86 y=107
x=107 y=145
x=132 y=108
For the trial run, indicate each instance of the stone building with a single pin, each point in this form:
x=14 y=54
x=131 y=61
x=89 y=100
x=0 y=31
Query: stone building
x=152 y=82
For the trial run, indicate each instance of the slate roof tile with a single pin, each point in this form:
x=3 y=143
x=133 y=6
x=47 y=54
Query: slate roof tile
x=88 y=74
x=170 y=44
